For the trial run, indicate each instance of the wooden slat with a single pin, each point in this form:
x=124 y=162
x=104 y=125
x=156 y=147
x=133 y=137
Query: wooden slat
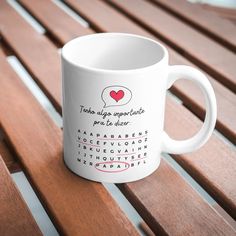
x=38 y=47
x=171 y=207
x=76 y=206
x=59 y=24
x=56 y=21
x=211 y=56
x=191 y=96
x=208 y=22
x=15 y=217
x=215 y=176
x=226 y=100
x=228 y=13
x=10 y=161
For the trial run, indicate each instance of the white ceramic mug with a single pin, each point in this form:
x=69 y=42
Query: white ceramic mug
x=114 y=92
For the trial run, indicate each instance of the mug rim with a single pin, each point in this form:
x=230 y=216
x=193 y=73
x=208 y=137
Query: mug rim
x=113 y=71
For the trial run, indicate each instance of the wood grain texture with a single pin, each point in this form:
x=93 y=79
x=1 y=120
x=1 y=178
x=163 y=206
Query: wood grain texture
x=96 y=12
x=10 y=161
x=227 y=13
x=210 y=23
x=77 y=206
x=32 y=49
x=172 y=207
x=56 y=21
x=208 y=54
x=15 y=217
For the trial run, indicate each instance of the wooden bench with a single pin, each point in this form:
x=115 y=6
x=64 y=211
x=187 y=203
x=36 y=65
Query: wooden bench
x=31 y=141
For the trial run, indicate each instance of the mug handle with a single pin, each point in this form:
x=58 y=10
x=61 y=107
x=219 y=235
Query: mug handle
x=170 y=145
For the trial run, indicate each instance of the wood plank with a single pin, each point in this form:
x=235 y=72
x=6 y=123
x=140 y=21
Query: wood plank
x=228 y=13
x=216 y=176
x=208 y=54
x=42 y=52
x=55 y=20
x=171 y=207
x=10 y=161
x=76 y=206
x=191 y=96
x=15 y=217
x=208 y=22
x=96 y=12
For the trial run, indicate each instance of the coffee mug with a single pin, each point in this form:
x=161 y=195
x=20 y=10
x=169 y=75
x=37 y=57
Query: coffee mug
x=114 y=91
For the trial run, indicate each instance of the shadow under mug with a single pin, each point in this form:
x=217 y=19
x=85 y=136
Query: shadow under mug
x=114 y=91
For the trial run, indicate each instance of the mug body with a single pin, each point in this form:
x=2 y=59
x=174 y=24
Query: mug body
x=114 y=89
